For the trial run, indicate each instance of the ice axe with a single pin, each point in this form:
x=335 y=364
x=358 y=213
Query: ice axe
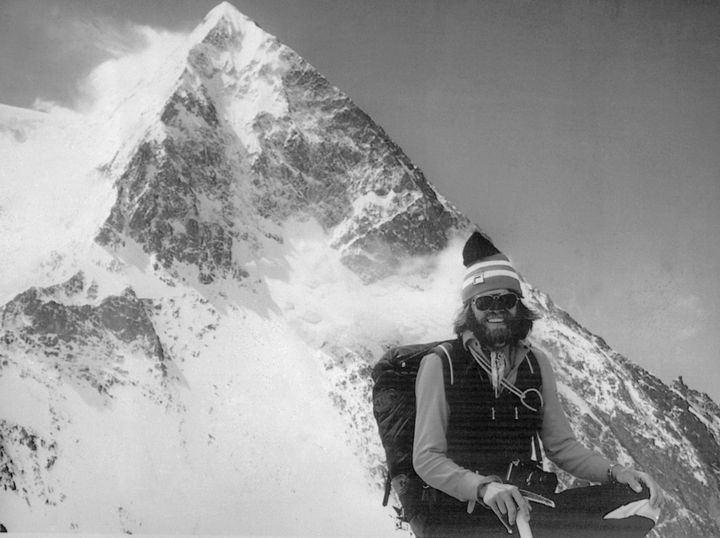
x=522 y=522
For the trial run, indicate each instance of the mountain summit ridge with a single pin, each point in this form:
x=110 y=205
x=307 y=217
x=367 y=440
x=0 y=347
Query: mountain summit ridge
x=266 y=241
x=227 y=12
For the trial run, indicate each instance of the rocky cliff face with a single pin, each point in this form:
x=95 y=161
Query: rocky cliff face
x=202 y=246
x=65 y=335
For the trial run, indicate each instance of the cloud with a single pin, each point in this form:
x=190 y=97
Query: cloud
x=93 y=60
x=109 y=83
x=99 y=34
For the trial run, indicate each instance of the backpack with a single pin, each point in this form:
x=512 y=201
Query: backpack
x=394 y=403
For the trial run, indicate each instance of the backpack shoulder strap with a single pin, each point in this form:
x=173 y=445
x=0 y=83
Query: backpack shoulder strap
x=536 y=375
x=534 y=364
x=529 y=372
x=444 y=351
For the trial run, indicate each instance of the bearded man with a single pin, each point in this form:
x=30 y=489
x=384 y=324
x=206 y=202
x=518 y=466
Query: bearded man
x=482 y=403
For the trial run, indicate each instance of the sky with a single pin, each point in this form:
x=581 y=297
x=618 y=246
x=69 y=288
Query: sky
x=582 y=136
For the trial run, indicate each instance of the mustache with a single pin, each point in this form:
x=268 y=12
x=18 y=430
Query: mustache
x=519 y=323
x=515 y=328
x=507 y=316
x=503 y=314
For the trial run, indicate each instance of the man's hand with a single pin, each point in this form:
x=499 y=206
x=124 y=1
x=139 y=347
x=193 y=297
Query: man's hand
x=636 y=479
x=505 y=500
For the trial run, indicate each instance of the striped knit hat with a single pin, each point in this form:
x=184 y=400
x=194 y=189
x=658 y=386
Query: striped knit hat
x=487 y=269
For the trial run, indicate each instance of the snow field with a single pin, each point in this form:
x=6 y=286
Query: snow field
x=245 y=443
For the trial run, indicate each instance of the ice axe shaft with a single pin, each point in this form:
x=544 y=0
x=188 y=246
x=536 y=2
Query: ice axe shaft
x=523 y=526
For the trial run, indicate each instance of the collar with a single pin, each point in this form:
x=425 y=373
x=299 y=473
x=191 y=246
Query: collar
x=517 y=352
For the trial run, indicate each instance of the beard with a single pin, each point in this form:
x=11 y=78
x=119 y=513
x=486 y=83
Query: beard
x=515 y=328
x=495 y=335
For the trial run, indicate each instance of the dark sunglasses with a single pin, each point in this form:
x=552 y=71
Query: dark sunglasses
x=496 y=302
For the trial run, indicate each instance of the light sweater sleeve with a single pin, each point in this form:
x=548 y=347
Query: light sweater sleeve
x=430 y=444
x=559 y=441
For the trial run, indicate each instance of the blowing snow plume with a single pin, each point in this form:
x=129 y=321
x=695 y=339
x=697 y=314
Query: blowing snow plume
x=193 y=355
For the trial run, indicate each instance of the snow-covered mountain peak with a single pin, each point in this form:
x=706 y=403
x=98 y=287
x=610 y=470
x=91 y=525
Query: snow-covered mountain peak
x=226 y=18
x=251 y=135
x=227 y=41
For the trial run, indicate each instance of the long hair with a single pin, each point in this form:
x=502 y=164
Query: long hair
x=520 y=325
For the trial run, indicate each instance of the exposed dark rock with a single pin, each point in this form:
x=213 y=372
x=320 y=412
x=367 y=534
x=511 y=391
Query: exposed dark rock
x=81 y=341
x=24 y=452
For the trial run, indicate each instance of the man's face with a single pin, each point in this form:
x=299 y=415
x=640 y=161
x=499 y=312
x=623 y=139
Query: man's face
x=493 y=316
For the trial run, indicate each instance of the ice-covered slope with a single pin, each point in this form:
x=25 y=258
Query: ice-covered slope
x=53 y=196
x=188 y=347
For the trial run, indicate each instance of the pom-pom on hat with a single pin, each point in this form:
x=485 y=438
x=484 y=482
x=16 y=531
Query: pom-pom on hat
x=487 y=269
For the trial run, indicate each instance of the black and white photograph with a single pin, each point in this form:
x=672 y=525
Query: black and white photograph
x=363 y=268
